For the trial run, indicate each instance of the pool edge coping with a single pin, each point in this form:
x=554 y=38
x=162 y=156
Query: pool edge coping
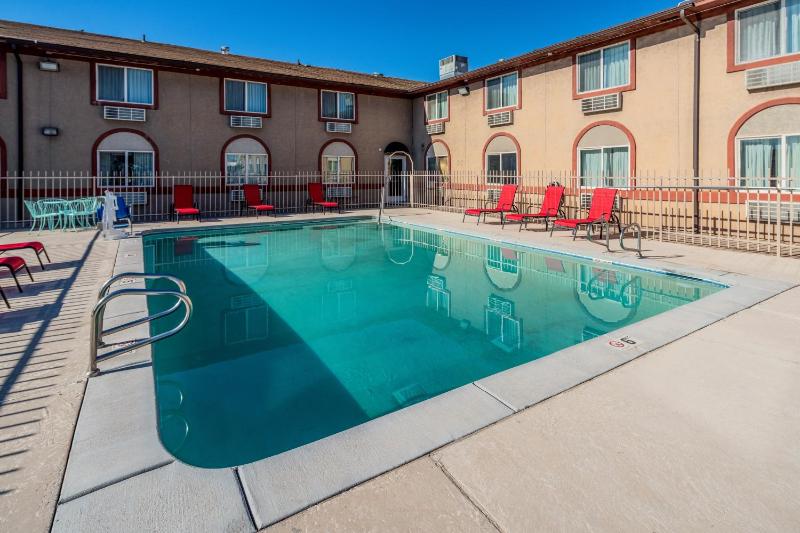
x=270 y=488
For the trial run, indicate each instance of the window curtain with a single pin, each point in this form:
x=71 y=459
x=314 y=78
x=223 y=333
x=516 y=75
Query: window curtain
x=347 y=165
x=430 y=107
x=494 y=93
x=492 y=168
x=589 y=66
x=616 y=69
x=328 y=104
x=509 y=90
x=760 y=159
x=256 y=98
x=140 y=168
x=792 y=26
x=112 y=163
x=591 y=167
x=616 y=166
x=256 y=168
x=441 y=105
x=234 y=167
x=347 y=108
x=793 y=161
x=111 y=83
x=140 y=86
x=508 y=162
x=234 y=95
x=759 y=32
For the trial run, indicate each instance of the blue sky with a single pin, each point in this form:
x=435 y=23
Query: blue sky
x=396 y=38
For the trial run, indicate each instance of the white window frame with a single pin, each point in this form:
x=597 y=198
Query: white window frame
x=504 y=106
x=246 y=97
x=784 y=33
x=602 y=69
x=602 y=149
x=125 y=85
x=491 y=179
x=338 y=111
x=784 y=181
x=100 y=182
x=262 y=179
x=446 y=107
x=330 y=177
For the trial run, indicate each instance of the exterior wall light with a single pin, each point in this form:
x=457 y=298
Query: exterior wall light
x=50 y=131
x=49 y=66
x=463 y=91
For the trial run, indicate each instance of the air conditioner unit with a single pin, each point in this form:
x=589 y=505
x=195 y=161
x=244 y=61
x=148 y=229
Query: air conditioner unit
x=492 y=195
x=500 y=119
x=774 y=76
x=133 y=197
x=133 y=114
x=338 y=127
x=600 y=104
x=434 y=129
x=766 y=211
x=586 y=201
x=242 y=121
x=236 y=195
x=339 y=192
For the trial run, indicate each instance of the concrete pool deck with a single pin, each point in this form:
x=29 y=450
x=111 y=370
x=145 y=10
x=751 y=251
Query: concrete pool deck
x=622 y=451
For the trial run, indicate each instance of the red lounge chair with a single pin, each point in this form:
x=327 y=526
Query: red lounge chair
x=14 y=264
x=183 y=202
x=504 y=205
x=600 y=212
x=316 y=197
x=551 y=208
x=36 y=246
x=252 y=199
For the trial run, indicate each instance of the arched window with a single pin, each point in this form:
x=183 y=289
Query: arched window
x=338 y=162
x=767 y=148
x=125 y=158
x=501 y=159
x=604 y=156
x=246 y=161
x=437 y=158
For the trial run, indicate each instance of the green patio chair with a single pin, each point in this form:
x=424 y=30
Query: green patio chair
x=36 y=214
x=50 y=211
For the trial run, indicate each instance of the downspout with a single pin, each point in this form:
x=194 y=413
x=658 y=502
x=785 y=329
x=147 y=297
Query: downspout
x=695 y=112
x=20 y=136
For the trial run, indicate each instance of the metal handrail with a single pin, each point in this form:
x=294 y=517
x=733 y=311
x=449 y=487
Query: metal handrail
x=98 y=332
x=140 y=275
x=638 y=229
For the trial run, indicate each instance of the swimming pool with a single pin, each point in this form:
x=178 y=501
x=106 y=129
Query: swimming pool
x=301 y=331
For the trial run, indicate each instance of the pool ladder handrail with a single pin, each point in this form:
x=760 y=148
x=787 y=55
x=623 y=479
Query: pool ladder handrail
x=98 y=312
x=638 y=233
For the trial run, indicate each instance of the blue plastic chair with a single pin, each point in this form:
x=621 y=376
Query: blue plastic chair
x=123 y=213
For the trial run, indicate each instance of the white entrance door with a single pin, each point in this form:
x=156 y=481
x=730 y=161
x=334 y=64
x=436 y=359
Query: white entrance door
x=397 y=192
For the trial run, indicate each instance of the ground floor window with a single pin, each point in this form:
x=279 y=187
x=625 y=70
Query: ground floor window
x=502 y=161
x=437 y=160
x=246 y=168
x=125 y=168
x=338 y=163
x=607 y=166
x=770 y=161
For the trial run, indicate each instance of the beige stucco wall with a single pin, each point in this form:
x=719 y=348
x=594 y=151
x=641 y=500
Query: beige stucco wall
x=187 y=127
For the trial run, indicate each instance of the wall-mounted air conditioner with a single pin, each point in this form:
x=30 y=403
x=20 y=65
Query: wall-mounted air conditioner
x=435 y=129
x=242 y=121
x=586 y=201
x=338 y=127
x=133 y=114
x=339 y=192
x=133 y=197
x=500 y=119
x=774 y=76
x=601 y=104
x=767 y=211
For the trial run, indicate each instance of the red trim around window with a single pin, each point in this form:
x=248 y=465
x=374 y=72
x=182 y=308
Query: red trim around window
x=354 y=120
x=244 y=136
x=96 y=145
x=348 y=143
x=789 y=100
x=430 y=144
x=731 y=45
x=486 y=94
x=614 y=124
x=516 y=144
x=438 y=120
x=625 y=88
x=3 y=75
x=224 y=111
x=93 y=85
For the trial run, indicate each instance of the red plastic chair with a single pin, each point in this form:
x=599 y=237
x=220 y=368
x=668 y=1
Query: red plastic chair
x=505 y=204
x=551 y=208
x=252 y=199
x=316 y=197
x=36 y=246
x=600 y=212
x=14 y=264
x=183 y=202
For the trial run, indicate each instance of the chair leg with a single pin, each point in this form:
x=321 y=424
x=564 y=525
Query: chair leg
x=28 y=270
x=464 y=218
x=3 y=294
x=14 y=275
x=39 y=258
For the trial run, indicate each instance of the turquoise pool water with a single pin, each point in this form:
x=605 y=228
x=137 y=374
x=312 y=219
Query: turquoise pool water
x=302 y=331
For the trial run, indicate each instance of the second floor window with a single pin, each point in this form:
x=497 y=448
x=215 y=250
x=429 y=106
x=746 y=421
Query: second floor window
x=124 y=84
x=337 y=105
x=501 y=91
x=768 y=30
x=245 y=96
x=605 y=68
x=436 y=106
